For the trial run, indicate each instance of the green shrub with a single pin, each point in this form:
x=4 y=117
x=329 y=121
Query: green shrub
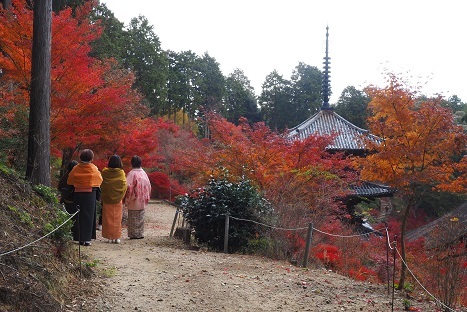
x=49 y=194
x=58 y=217
x=205 y=210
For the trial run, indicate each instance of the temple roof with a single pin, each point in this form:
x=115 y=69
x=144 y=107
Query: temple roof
x=372 y=190
x=443 y=231
x=348 y=137
x=327 y=122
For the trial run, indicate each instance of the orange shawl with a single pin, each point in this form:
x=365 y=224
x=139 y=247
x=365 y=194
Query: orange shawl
x=85 y=175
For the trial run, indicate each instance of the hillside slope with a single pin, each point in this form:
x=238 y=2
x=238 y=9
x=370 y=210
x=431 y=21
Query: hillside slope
x=38 y=277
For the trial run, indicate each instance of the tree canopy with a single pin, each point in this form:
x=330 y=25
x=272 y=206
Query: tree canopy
x=421 y=145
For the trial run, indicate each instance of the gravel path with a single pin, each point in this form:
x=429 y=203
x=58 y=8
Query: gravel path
x=159 y=273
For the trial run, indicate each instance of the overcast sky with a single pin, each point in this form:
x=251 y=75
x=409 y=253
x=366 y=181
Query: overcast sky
x=421 y=39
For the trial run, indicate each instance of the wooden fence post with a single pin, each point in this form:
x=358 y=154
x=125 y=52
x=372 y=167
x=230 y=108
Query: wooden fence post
x=173 y=223
x=308 y=244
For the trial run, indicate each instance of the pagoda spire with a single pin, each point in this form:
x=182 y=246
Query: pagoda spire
x=326 y=76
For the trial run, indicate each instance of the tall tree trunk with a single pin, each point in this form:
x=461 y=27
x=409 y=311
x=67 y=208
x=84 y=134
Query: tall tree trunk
x=67 y=156
x=403 y=230
x=38 y=162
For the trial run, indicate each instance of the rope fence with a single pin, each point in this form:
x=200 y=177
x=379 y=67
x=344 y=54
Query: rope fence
x=41 y=238
x=390 y=246
x=419 y=283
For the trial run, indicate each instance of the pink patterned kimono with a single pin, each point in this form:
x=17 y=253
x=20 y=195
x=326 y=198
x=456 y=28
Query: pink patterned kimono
x=136 y=198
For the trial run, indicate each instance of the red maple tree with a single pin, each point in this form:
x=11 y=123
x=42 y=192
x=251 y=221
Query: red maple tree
x=93 y=104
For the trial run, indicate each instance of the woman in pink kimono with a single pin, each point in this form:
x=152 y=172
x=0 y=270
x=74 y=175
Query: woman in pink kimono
x=136 y=198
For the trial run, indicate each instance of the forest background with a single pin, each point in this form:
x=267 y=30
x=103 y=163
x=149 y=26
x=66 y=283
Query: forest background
x=115 y=90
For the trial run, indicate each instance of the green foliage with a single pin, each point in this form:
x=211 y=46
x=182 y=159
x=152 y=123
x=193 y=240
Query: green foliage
x=205 y=210
x=436 y=203
x=23 y=215
x=6 y=170
x=49 y=194
x=92 y=264
x=63 y=232
x=265 y=246
x=110 y=272
x=113 y=39
x=407 y=304
x=352 y=105
x=306 y=89
x=258 y=246
x=275 y=99
x=240 y=99
x=407 y=286
x=58 y=5
x=13 y=138
x=286 y=103
x=146 y=59
x=365 y=208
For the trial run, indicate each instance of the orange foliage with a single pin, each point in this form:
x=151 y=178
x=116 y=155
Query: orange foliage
x=419 y=140
x=420 y=143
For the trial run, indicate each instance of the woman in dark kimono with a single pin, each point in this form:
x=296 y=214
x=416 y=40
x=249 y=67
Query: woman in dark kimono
x=86 y=179
x=66 y=191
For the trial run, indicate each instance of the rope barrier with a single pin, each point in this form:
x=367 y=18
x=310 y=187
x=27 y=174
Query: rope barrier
x=345 y=236
x=387 y=236
x=304 y=228
x=419 y=283
x=29 y=244
x=413 y=275
x=269 y=226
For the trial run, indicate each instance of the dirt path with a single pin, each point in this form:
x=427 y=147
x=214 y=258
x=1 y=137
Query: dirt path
x=159 y=273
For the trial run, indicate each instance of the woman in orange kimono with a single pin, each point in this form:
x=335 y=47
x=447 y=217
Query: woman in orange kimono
x=136 y=198
x=86 y=179
x=113 y=190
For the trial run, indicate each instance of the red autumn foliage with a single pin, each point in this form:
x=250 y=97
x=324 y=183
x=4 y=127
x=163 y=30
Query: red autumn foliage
x=362 y=273
x=282 y=168
x=163 y=187
x=93 y=104
x=328 y=254
x=296 y=242
x=183 y=156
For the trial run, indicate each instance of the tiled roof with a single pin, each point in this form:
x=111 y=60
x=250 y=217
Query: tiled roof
x=444 y=230
x=327 y=122
x=368 y=189
x=348 y=138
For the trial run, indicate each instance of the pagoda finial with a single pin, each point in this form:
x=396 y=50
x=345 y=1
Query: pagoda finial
x=326 y=76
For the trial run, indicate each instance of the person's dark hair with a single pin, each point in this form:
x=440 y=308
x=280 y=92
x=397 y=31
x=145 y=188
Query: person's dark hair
x=136 y=162
x=86 y=155
x=71 y=165
x=115 y=162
